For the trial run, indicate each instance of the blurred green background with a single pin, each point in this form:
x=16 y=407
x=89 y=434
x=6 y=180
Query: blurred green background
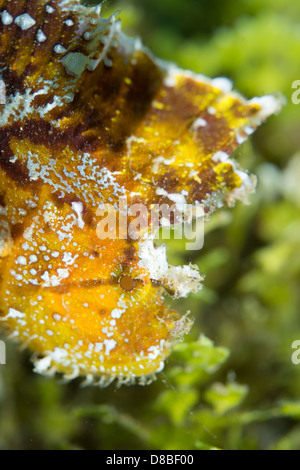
x=238 y=389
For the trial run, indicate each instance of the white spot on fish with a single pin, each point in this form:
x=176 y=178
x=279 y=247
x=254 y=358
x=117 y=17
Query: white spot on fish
x=6 y=18
x=40 y=36
x=49 y=9
x=25 y=21
x=59 y=49
x=109 y=345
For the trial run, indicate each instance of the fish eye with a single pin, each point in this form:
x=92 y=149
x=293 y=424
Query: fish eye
x=127 y=283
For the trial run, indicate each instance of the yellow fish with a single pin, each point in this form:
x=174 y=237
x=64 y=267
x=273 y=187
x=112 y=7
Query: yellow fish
x=89 y=118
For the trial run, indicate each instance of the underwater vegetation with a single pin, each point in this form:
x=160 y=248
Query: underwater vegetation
x=231 y=383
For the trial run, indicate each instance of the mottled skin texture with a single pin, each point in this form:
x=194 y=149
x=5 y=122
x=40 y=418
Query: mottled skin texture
x=87 y=122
